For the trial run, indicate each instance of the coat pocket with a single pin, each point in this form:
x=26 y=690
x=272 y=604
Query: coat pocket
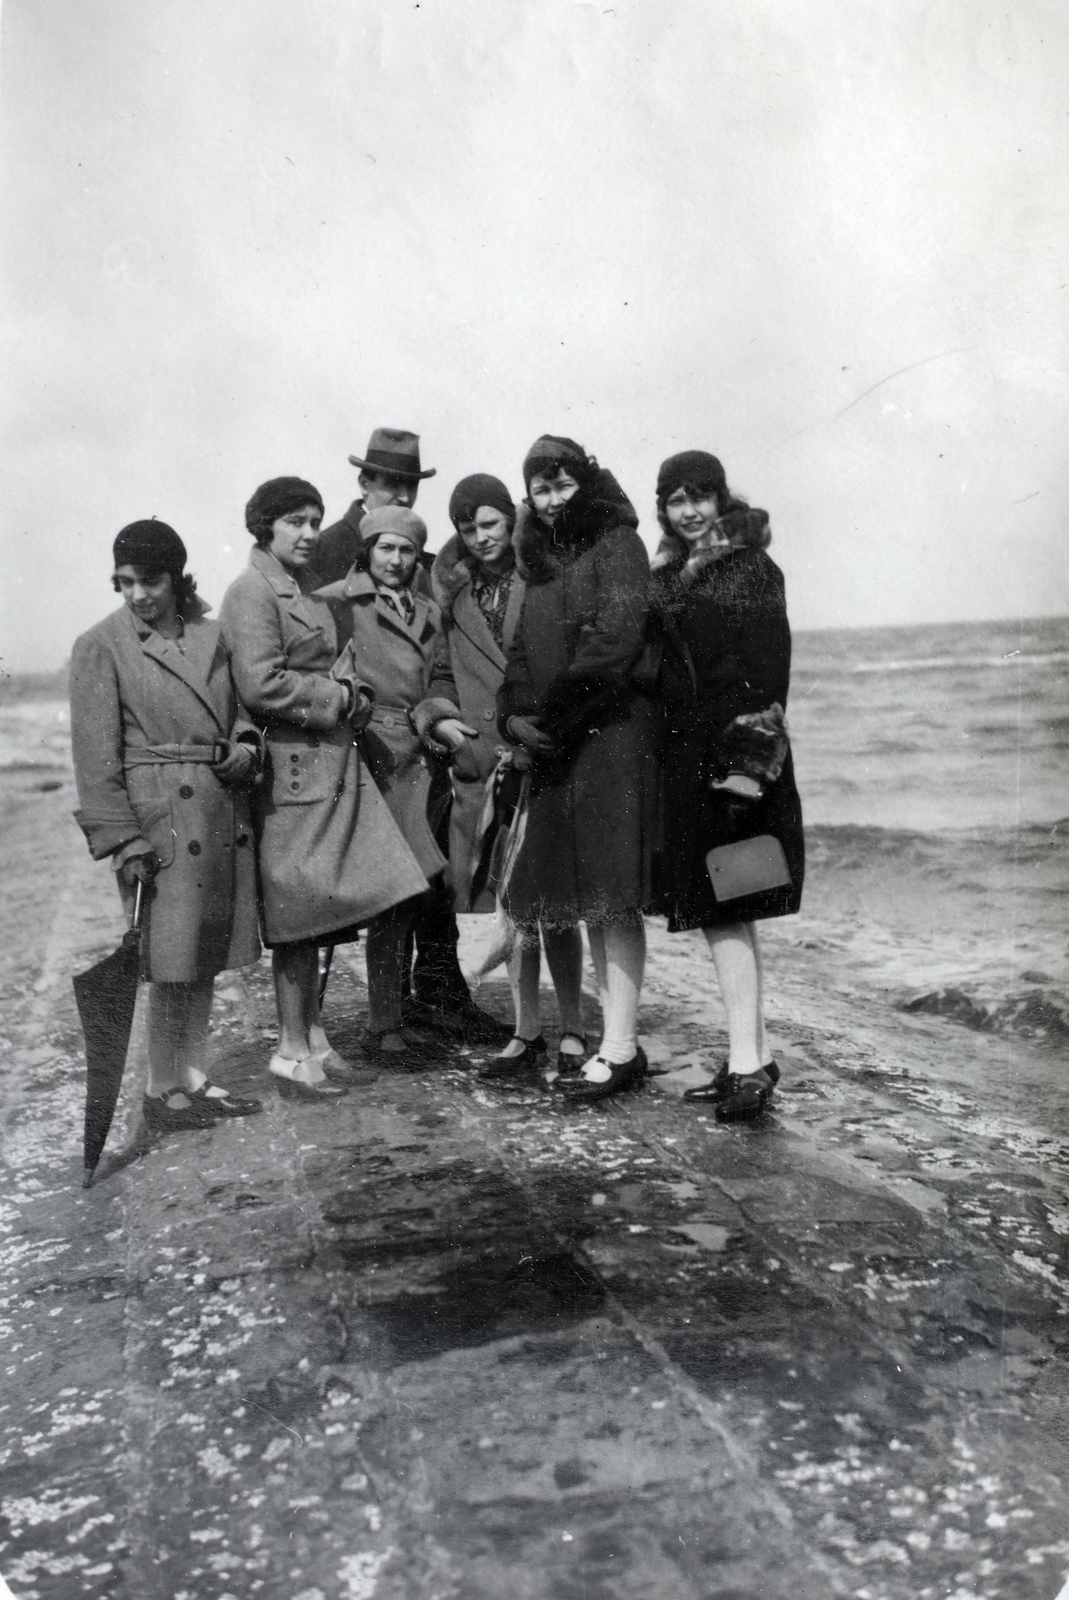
x=304 y=775
x=157 y=826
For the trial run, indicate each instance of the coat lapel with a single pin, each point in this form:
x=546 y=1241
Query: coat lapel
x=469 y=619
x=193 y=666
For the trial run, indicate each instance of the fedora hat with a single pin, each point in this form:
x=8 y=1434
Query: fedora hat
x=393 y=450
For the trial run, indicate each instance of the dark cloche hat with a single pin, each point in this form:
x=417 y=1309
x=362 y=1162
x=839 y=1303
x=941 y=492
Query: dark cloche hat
x=150 y=544
x=393 y=450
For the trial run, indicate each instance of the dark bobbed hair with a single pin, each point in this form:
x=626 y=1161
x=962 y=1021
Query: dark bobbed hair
x=553 y=453
x=153 y=547
x=277 y=498
x=185 y=588
x=702 y=475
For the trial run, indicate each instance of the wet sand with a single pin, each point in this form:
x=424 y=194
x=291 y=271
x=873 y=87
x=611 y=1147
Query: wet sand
x=443 y=1341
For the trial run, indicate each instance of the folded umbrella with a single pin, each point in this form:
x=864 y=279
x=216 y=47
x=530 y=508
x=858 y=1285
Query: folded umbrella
x=106 y=995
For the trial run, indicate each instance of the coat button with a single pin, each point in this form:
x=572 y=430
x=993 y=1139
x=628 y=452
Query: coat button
x=186 y=791
x=295 y=759
x=243 y=838
x=295 y=784
x=488 y=716
x=194 y=847
x=387 y=722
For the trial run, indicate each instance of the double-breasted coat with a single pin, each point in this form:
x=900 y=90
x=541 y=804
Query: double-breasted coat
x=726 y=653
x=330 y=855
x=575 y=661
x=478 y=664
x=147 y=716
x=406 y=668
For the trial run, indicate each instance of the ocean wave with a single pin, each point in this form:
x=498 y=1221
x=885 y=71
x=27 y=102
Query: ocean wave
x=954 y=663
x=1041 y=1015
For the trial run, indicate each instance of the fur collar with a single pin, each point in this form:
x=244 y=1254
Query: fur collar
x=451 y=571
x=541 y=552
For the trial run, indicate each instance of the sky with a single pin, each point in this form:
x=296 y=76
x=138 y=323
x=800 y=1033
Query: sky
x=825 y=239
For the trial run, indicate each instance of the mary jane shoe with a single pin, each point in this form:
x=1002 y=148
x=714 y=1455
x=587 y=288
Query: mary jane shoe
x=587 y=1091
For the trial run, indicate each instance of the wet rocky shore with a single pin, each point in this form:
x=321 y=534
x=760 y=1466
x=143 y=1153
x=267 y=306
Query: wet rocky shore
x=442 y=1340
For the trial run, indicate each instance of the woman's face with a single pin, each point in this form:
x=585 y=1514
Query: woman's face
x=695 y=517
x=392 y=560
x=150 y=595
x=295 y=536
x=488 y=537
x=549 y=496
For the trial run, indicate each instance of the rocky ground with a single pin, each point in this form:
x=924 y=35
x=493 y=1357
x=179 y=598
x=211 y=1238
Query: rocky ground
x=450 y=1343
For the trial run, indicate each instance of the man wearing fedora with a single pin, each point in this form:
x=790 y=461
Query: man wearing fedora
x=390 y=475
x=434 y=987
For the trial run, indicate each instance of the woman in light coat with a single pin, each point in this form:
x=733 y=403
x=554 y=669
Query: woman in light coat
x=162 y=760
x=331 y=857
x=480 y=590
x=396 y=649
x=573 y=696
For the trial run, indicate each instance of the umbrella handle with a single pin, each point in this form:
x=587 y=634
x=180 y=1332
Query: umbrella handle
x=132 y=936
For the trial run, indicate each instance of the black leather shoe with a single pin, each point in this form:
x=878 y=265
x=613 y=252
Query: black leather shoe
x=294 y=1089
x=404 y=1049
x=225 y=1104
x=584 y=1091
x=506 y=1069
x=456 y=1016
x=713 y=1092
x=745 y=1096
x=176 y=1111
x=568 y=1066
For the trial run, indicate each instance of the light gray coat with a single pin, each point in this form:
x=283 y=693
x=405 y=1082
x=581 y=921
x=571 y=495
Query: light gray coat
x=139 y=702
x=478 y=666
x=331 y=856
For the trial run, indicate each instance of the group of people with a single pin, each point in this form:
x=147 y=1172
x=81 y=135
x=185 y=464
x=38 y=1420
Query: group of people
x=538 y=719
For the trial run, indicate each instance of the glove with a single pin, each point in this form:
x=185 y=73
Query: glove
x=237 y=766
x=360 y=715
x=528 y=731
x=450 y=732
x=144 y=867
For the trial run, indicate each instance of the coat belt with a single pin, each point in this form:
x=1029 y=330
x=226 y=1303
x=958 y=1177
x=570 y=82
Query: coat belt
x=158 y=755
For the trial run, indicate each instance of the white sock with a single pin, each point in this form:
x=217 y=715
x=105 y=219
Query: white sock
x=596 y=1070
x=514 y=1048
x=571 y=1045
x=618 y=1050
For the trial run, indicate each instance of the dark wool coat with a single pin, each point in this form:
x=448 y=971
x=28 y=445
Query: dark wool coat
x=138 y=703
x=726 y=652
x=574 y=661
x=331 y=856
x=478 y=666
x=406 y=668
x=339 y=545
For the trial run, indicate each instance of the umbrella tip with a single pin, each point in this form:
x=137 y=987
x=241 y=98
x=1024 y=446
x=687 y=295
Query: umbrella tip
x=88 y=1178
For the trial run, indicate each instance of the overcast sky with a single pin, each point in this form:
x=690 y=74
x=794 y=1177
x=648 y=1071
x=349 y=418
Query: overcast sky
x=825 y=239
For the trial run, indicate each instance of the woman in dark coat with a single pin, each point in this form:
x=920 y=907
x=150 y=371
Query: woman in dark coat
x=572 y=697
x=331 y=856
x=719 y=603
x=162 y=759
x=396 y=648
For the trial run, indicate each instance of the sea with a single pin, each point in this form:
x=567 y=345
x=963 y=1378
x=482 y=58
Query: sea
x=933 y=765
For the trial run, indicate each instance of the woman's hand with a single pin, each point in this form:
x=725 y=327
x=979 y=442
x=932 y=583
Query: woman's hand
x=143 y=868
x=451 y=732
x=360 y=715
x=529 y=732
x=237 y=766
